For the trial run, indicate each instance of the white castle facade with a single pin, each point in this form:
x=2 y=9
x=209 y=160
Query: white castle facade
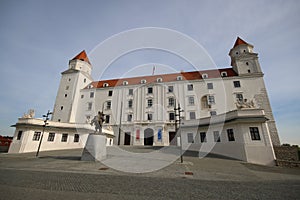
x=225 y=111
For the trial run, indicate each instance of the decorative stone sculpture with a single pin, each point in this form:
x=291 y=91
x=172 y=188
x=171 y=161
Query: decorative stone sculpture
x=29 y=114
x=245 y=104
x=98 y=121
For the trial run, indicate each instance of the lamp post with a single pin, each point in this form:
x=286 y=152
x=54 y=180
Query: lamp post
x=44 y=126
x=178 y=112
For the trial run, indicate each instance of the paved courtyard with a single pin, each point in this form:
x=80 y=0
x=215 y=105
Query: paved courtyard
x=61 y=175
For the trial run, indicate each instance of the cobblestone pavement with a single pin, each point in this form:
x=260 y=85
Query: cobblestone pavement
x=61 y=175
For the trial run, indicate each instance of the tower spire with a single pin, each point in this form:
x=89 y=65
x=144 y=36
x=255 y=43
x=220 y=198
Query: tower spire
x=82 y=56
x=239 y=41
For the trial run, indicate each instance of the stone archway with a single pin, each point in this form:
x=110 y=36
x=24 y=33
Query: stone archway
x=148 y=136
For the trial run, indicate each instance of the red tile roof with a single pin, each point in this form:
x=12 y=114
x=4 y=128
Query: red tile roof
x=82 y=56
x=239 y=41
x=194 y=75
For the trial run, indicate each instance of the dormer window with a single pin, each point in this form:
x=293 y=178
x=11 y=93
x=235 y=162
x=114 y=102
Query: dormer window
x=90 y=86
x=204 y=76
x=143 y=81
x=125 y=82
x=159 y=80
x=223 y=74
x=179 y=78
x=105 y=84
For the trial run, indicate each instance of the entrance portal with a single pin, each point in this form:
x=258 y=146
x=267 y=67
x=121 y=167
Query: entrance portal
x=172 y=138
x=148 y=137
x=127 y=138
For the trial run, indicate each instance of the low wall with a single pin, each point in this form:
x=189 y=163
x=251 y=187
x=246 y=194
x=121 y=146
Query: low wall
x=288 y=153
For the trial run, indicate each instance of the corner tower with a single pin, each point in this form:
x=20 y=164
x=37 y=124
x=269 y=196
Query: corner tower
x=243 y=59
x=75 y=78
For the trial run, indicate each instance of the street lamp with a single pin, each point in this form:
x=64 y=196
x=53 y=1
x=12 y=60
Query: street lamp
x=44 y=126
x=178 y=112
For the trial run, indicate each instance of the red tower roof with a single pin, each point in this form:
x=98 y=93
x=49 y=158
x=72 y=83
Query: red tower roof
x=239 y=41
x=82 y=56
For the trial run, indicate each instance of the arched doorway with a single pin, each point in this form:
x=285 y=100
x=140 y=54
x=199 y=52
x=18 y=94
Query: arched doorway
x=148 y=136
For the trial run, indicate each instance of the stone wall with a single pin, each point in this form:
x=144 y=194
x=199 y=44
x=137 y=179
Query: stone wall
x=288 y=153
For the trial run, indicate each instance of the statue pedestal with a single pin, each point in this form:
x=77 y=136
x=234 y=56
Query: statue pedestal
x=95 y=148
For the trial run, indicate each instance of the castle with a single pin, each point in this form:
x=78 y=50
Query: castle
x=227 y=109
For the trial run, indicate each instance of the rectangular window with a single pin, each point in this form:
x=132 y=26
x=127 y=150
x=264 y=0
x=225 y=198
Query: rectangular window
x=211 y=100
x=210 y=86
x=19 y=135
x=254 y=133
x=236 y=84
x=171 y=116
x=191 y=101
x=107 y=118
x=217 y=136
x=149 y=116
x=76 y=138
x=91 y=94
x=170 y=88
x=192 y=115
x=90 y=104
x=129 y=117
x=110 y=92
x=108 y=105
x=51 y=137
x=190 y=137
x=130 y=92
x=150 y=103
x=190 y=87
x=64 y=137
x=150 y=90
x=171 y=101
x=203 y=137
x=130 y=103
x=82 y=96
x=239 y=97
x=36 y=136
x=230 y=135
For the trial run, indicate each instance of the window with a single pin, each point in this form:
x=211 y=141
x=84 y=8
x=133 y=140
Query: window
x=36 y=136
x=190 y=87
x=130 y=103
x=143 y=81
x=191 y=101
x=61 y=108
x=91 y=94
x=211 y=99
x=171 y=116
x=66 y=95
x=84 y=80
x=212 y=113
x=217 y=136
x=192 y=115
x=90 y=104
x=130 y=92
x=110 y=92
x=171 y=101
x=67 y=87
x=254 y=133
x=249 y=71
x=19 y=135
x=82 y=96
x=204 y=76
x=105 y=84
x=230 y=135
x=239 y=97
x=170 y=88
x=64 y=137
x=149 y=116
x=69 y=79
x=204 y=103
x=203 y=137
x=76 y=138
x=150 y=90
x=125 y=83
x=236 y=84
x=108 y=105
x=150 y=103
x=210 y=86
x=159 y=80
x=190 y=137
x=223 y=74
x=179 y=78
x=107 y=118
x=51 y=137
x=129 y=117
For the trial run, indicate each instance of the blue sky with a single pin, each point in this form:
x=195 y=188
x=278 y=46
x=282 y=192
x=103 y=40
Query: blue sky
x=38 y=38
